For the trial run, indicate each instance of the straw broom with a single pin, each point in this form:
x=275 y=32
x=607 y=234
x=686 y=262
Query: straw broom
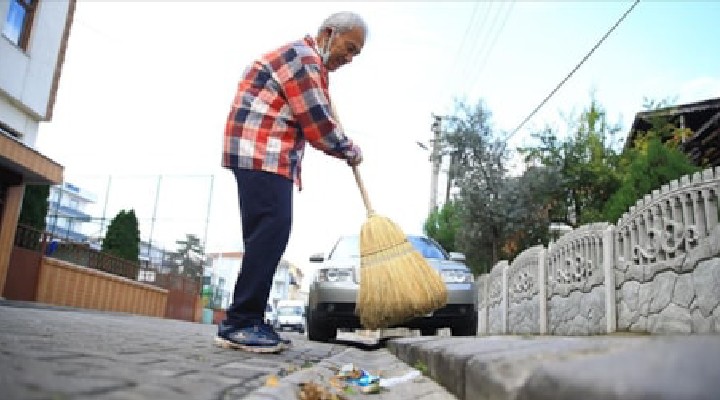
x=396 y=282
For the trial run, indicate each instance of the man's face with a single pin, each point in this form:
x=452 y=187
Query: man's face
x=343 y=47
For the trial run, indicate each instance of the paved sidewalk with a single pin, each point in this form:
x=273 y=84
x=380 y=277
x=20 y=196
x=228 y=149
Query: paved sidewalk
x=60 y=353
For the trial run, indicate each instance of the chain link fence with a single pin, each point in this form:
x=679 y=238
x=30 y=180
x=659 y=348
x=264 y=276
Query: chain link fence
x=168 y=209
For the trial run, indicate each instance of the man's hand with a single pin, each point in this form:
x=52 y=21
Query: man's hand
x=354 y=156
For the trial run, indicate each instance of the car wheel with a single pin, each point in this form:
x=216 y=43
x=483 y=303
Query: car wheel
x=428 y=331
x=466 y=328
x=319 y=331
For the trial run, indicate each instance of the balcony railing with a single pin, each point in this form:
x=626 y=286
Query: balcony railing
x=76 y=253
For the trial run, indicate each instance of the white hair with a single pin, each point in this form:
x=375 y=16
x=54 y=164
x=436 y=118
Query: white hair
x=344 y=21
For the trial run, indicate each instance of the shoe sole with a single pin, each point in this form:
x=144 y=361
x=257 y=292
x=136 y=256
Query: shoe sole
x=227 y=344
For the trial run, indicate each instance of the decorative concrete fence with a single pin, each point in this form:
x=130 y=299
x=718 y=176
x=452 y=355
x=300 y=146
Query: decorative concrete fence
x=657 y=271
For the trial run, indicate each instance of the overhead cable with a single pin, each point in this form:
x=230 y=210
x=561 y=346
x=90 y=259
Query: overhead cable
x=542 y=103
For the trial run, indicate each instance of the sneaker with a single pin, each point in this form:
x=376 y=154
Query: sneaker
x=254 y=339
x=271 y=332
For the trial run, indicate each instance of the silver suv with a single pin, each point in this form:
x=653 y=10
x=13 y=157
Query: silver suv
x=333 y=292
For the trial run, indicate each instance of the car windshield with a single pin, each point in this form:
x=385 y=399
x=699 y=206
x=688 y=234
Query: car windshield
x=289 y=311
x=427 y=247
x=349 y=247
x=346 y=247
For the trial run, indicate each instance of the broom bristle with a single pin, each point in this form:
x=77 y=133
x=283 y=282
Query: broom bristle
x=396 y=282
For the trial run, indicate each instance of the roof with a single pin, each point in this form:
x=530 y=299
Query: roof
x=702 y=118
x=26 y=164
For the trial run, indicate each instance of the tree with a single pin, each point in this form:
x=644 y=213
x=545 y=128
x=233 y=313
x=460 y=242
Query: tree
x=35 y=206
x=442 y=225
x=528 y=221
x=479 y=171
x=652 y=161
x=123 y=236
x=585 y=163
x=189 y=258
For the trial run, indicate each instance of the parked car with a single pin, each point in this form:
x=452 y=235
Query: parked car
x=333 y=292
x=291 y=315
x=270 y=317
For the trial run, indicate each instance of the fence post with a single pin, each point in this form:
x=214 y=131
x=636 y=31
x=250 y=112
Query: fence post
x=504 y=307
x=609 y=269
x=542 y=290
x=481 y=294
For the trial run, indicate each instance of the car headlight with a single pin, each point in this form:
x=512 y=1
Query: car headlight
x=335 y=275
x=457 y=276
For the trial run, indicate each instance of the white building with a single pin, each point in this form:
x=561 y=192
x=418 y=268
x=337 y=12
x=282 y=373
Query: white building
x=66 y=212
x=225 y=267
x=33 y=38
x=153 y=257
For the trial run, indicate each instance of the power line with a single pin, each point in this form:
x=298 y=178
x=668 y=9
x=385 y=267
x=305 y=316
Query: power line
x=467 y=32
x=478 y=46
x=473 y=30
x=542 y=103
x=488 y=52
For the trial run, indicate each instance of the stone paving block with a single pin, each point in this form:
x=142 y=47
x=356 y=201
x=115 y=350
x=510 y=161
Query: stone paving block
x=407 y=348
x=433 y=353
x=495 y=366
x=666 y=368
x=56 y=353
x=442 y=356
x=500 y=374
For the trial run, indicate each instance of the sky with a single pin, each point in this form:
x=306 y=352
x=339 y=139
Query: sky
x=146 y=88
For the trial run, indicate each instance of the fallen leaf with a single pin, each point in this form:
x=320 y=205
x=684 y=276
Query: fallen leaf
x=272 y=381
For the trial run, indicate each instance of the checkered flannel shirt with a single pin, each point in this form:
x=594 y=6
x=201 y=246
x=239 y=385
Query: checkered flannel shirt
x=282 y=101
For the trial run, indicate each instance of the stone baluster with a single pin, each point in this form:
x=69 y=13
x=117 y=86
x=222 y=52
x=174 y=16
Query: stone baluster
x=698 y=211
x=658 y=220
x=634 y=240
x=709 y=209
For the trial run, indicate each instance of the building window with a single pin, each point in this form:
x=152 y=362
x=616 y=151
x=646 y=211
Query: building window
x=19 y=22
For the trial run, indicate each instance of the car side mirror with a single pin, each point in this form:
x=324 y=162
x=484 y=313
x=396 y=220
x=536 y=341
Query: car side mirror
x=455 y=256
x=317 y=257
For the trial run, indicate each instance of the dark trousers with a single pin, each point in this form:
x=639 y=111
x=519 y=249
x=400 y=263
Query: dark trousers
x=266 y=212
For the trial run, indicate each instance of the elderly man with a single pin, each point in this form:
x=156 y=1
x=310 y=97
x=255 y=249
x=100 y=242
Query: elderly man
x=282 y=101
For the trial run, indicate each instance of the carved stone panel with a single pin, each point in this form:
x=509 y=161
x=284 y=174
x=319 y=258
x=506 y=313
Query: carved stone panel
x=575 y=261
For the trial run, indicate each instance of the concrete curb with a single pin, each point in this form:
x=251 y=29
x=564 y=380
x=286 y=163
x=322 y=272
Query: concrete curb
x=559 y=368
x=380 y=361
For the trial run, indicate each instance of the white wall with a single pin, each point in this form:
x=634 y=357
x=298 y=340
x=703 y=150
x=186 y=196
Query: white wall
x=26 y=77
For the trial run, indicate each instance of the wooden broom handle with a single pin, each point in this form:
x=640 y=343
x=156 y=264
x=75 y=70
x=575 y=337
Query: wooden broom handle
x=363 y=192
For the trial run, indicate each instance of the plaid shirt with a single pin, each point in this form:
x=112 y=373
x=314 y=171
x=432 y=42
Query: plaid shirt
x=282 y=101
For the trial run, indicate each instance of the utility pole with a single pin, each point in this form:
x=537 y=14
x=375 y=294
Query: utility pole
x=435 y=159
x=450 y=176
x=207 y=215
x=152 y=222
x=107 y=196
